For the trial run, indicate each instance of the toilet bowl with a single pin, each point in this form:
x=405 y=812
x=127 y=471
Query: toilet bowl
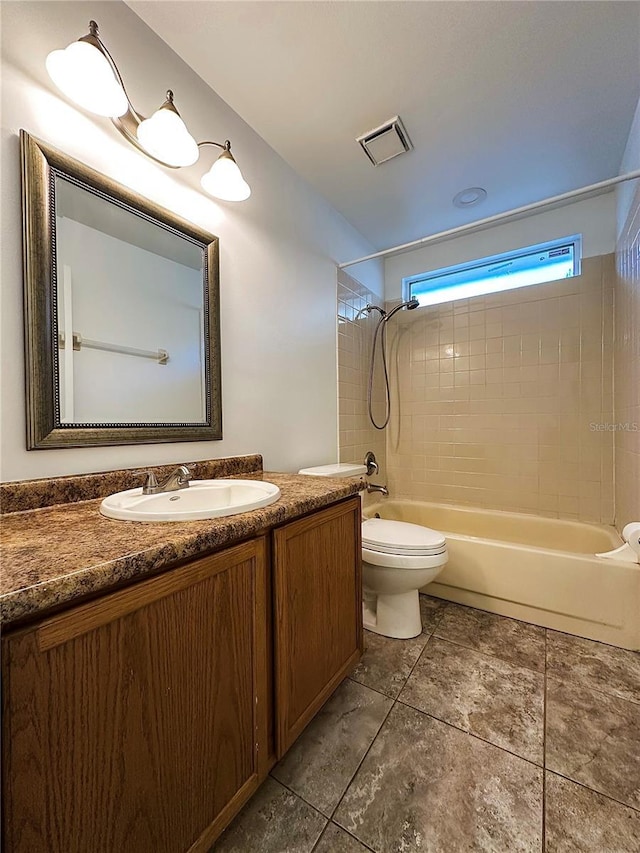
x=397 y=560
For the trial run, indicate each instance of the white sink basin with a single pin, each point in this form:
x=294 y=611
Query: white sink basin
x=202 y=499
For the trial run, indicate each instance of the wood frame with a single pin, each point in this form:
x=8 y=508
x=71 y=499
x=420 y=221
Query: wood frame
x=40 y=165
x=29 y=646
x=286 y=577
x=279 y=575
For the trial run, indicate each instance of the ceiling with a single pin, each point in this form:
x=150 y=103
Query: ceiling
x=525 y=99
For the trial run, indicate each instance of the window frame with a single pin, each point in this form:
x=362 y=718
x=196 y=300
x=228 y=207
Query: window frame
x=574 y=240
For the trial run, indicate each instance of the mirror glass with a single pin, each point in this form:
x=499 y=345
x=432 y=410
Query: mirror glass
x=122 y=322
x=129 y=314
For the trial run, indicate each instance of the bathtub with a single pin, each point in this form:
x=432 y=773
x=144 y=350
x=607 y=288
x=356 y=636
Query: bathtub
x=540 y=570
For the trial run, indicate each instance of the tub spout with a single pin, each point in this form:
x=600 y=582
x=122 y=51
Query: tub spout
x=371 y=487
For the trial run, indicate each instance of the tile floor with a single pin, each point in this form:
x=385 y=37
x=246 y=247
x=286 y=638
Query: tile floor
x=482 y=734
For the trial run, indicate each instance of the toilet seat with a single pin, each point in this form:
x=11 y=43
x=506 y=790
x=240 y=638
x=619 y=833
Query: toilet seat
x=399 y=538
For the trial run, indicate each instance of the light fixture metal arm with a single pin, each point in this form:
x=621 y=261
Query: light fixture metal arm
x=225 y=147
x=163 y=137
x=93 y=38
x=128 y=123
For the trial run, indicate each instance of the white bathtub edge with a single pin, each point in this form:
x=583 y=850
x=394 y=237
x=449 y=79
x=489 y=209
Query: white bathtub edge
x=576 y=593
x=615 y=635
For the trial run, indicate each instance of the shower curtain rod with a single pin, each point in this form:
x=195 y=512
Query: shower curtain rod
x=499 y=217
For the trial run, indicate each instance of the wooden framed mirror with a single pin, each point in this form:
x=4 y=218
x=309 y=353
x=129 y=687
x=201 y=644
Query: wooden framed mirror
x=122 y=317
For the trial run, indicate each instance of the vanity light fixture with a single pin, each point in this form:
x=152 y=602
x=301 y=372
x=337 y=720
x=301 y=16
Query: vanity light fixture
x=87 y=74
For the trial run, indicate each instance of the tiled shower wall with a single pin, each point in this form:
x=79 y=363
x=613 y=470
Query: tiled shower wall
x=355 y=336
x=504 y=400
x=627 y=369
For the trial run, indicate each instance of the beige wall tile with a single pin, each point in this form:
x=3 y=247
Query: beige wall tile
x=507 y=401
x=515 y=381
x=355 y=335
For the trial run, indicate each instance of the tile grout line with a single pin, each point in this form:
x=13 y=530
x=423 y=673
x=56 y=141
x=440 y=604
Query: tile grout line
x=483 y=652
x=547 y=676
x=588 y=639
x=546 y=630
x=594 y=791
x=355 y=773
x=597 y=689
x=381 y=692
x=300 y=797
x=346 y=831
x=348 y=785
x=486 y=654
x=394 y=702
x=591 y=688
x=293 y=793
x=433 y=635
x=471 y=734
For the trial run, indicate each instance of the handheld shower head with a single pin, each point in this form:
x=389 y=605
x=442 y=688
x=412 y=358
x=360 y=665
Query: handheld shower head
x=381 y=329
x=410 y=305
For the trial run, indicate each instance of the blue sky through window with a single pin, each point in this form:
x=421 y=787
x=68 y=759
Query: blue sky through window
x=522 y=268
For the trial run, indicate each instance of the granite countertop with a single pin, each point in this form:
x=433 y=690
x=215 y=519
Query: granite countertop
x=58 y=554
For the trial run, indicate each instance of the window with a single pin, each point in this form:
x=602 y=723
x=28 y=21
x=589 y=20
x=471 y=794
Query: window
x=522 y=268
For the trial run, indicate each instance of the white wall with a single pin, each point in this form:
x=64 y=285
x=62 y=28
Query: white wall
x=594 y=218
x=278 y=249
x=630 y=163
x=124 y=295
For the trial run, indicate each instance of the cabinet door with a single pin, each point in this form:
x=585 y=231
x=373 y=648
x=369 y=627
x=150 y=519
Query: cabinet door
x=131 y=722
x=318 y=612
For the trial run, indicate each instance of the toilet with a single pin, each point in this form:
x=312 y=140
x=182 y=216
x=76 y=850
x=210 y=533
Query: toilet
x=398 y=559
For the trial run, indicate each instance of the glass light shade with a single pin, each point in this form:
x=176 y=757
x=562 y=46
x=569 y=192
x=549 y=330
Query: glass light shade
x=83 y=74
x=165 y=137
x=224 y=180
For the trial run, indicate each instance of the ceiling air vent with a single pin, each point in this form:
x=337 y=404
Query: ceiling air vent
x=385 y=142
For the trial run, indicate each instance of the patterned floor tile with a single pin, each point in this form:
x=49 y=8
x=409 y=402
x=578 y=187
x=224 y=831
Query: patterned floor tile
x=273 y=821
x=581 y=821
x=515 y=642
x=387 y=663
x=594 y=738
x=596 y=665
x=321 y=763
x=481 y=694
x=431 y=612
x=336 y=840
x=425 y=786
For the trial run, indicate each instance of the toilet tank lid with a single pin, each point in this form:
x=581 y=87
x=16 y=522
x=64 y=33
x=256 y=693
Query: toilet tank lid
x=337 y=469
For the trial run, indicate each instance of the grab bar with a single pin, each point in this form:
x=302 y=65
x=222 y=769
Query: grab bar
x=160 y=355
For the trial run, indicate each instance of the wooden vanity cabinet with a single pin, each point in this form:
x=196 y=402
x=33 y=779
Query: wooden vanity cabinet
x=131 y=722
x=317 y=590
x=143 y=720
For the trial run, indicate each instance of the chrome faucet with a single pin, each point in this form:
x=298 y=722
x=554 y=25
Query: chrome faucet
x=178 y=479
x=371 y=487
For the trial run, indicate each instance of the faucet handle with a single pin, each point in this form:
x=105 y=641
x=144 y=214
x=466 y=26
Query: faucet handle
x=151 y=484
x=183 y=475
x=371 y=463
